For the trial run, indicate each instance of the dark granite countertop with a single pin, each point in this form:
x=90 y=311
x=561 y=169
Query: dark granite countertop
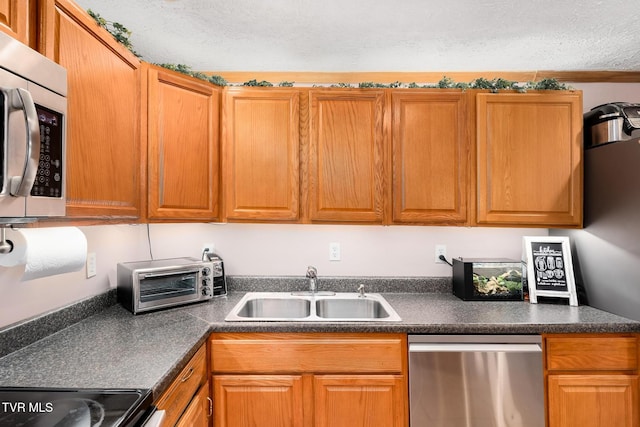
x=114 y=349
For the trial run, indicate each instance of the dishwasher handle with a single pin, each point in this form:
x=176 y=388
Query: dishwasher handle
x=473 y=347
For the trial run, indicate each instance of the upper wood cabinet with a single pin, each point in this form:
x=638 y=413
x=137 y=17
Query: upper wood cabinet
x=346 y=155
x=183 y=149
x=261 y=154
x=430 y=157
x=17 y=18
x=104 y=145
x=529 y=159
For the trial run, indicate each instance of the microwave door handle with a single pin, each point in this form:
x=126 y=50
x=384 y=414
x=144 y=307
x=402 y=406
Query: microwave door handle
x=21 y=185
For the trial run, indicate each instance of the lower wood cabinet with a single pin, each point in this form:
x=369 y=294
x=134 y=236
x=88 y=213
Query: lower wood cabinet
x=200 y=410
x=264 y=400
x=359 y=400
x=592 y=380
x=318 y=380
x=185 y=401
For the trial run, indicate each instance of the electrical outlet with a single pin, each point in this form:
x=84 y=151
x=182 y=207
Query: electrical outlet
x=209 y=247
x=92 y=266
x=334 y=251
x=440 y=250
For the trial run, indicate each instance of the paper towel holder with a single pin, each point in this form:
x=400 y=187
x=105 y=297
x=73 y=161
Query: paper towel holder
x=5 y=245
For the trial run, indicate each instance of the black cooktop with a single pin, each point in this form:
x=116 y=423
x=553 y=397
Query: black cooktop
x=54 y=407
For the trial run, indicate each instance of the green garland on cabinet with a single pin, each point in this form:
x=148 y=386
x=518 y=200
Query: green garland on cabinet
x=122 y=35
x=117 y=30
x=493 y=85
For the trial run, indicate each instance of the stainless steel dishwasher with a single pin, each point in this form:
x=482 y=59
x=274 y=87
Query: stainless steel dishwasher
x=476 y=381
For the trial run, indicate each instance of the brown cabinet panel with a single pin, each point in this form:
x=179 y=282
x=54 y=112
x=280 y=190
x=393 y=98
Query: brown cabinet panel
x=17 y=18
x=261 y=159
x=298 y=352
x=593 y=400
x=346 y=156
x=104 y=144
x=359 y=400
x=592 y=380
x=183 y=152
x=592 y=353
x=529 y=159
x=258 y=400
x=309 y=379
x=430 y=157
x=181 y=391
x=199 y=412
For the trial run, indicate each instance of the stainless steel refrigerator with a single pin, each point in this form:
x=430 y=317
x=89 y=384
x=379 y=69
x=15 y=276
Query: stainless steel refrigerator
x=606 y=252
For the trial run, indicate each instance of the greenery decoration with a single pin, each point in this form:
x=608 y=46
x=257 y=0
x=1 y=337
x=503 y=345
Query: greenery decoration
x=185 y=69
x=117 y=30
x=254 y=82
x=285 y=84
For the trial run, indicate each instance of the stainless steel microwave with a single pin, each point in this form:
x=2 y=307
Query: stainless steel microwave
x=152 y=285
x=33 y=105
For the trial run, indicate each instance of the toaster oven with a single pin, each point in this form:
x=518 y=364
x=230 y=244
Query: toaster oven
x=155 y=284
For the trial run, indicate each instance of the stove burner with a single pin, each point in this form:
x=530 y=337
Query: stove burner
x=50 y=407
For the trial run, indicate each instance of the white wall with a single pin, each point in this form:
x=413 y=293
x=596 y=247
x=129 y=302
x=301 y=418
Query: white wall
x=258 y=249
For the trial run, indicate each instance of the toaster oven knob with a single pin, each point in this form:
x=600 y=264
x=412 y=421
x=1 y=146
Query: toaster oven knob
x=206 y=291
x=206 y=271
x=206 y=281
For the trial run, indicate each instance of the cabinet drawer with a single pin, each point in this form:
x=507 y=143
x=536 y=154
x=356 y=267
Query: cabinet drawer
x=177 y=397
x=300 y=352
x=592 y=353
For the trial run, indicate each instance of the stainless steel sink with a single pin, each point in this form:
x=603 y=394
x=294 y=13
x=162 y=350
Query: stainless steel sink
x=360 y=308
x=285 y=308
x=339 y=307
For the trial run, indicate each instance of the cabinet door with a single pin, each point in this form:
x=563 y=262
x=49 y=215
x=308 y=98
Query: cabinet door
x=199 y=411
x=183 y=117
x=593 y=400
x=362 y=400
x=530 y=159
x=430 y=157
x=260 y=144
x=346 y=156
x=16 y=19
x=104 y=144
x=184 y=387
x=258 y=400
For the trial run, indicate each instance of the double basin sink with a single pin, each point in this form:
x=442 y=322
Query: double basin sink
x=317 y=307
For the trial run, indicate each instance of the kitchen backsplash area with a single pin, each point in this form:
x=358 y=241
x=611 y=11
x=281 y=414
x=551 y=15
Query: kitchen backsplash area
x=258 y=250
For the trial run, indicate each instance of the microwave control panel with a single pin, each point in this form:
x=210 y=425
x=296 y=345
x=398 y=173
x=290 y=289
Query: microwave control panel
x=49 y=180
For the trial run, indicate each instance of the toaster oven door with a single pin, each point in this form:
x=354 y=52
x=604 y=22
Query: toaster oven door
x=167 y=288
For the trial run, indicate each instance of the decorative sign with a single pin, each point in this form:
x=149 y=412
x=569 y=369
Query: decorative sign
x=549 y=268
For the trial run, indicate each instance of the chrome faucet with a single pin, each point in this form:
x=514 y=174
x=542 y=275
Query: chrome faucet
x=312 y=275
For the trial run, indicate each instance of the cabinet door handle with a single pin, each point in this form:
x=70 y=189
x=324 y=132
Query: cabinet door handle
x=210 y=406
x=187 y=375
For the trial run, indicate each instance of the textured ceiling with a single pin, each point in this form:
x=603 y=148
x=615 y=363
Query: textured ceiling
x=382 y=35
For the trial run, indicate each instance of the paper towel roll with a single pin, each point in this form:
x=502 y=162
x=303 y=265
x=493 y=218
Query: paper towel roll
x=46 y=251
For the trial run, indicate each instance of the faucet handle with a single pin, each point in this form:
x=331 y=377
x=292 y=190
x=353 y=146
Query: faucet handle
x=361 y=290
x=312 y=272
